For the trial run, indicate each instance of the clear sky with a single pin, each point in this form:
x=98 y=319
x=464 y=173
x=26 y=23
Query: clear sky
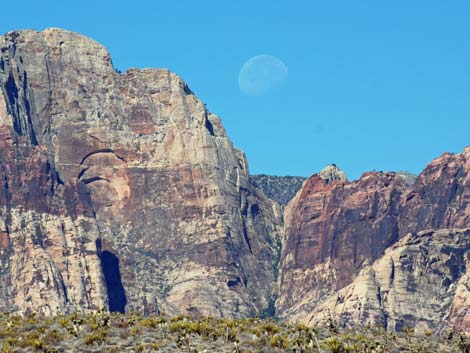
x=381 y=85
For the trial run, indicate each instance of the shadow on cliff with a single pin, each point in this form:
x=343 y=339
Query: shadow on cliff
x=112 y=275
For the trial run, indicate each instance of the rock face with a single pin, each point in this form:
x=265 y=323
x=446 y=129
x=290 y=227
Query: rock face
x=332 y=228
x=440 y=196
x=417 y=283
x=122 y=190
x=278 y=188
x=407 y=177
x=343 y=241
x=332 y=173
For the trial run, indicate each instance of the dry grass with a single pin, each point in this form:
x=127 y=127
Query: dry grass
x=105 y=332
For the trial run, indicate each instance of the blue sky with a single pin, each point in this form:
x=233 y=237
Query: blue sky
x=381 y=85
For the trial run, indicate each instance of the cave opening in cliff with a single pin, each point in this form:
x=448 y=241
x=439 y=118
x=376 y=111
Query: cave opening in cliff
x=112 y=274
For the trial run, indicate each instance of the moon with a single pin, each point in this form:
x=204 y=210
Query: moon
x=262 y=74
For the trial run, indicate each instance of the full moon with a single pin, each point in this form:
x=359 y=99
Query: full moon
x=262 y=74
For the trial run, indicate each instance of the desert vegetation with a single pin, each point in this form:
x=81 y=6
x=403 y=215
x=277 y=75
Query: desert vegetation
x=112 y=332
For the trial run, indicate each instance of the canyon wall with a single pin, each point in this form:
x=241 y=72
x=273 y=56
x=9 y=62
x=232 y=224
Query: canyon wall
x=343 y=239
x=123 y=190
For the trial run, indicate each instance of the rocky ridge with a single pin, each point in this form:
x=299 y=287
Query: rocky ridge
x=123 y=191
x=344 y=243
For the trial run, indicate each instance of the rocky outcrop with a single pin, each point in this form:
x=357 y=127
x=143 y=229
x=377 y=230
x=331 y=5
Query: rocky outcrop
x=48 y=258
x=332 y=228
x=408 y=178
x=332 y=173
x=122 y=190
x=415 y=284
x=278 y=188
x=440 y=196
x=336 y=235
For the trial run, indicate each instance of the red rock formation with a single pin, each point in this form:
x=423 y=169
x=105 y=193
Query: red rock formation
x=122 y=190
x=47 y=252
x=440 y=197
x=417 y=283
x=333 y=231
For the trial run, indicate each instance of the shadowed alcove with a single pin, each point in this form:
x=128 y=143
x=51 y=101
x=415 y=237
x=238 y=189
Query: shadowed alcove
x=112 y=274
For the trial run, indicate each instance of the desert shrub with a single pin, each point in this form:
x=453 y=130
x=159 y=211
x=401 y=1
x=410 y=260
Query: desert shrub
x=148 y=322
x=280 y=341
x=98 y=320
x=463 y=344
x=408 y=331
x=53 y=336
x=187 y=326
x=96 y=337
x=428 y=333
x=135 y=330
x=64 y=321
x=131 y=321
x=31 y=339
x=231 y=334
x=131 y=331
x=301 y=328
x=153 y=346
x=7 y=348
x=139 y=348
x=269 y=328
x=335 y=345
x=179 y=318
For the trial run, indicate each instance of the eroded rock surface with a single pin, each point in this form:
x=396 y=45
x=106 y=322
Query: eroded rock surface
x=332 y=229
x=126 y=178
x=332 y=173
x=335 y=230
x=414 y=284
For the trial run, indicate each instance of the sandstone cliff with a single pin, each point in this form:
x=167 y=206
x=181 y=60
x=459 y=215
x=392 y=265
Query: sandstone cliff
x=343 y=240
x=122 y=189
x=419 y=282
x=332 y=228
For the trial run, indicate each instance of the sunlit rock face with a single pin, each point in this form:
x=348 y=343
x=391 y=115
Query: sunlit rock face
x=332 y=173
x=343 y=240
x=333 y=228
x=122 y=190
x=420 y=282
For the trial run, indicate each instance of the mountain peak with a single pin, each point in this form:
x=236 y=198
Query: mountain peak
x=332 y=173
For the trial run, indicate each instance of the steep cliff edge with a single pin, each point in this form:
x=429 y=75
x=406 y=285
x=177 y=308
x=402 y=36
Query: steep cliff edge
x=339 y=237
x=333 y=227
x=122 y=189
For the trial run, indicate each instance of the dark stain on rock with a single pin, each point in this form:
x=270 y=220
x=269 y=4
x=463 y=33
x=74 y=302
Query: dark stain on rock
x=234 y=282
x=112 y=275
x=209 y=127
x=103 y=150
